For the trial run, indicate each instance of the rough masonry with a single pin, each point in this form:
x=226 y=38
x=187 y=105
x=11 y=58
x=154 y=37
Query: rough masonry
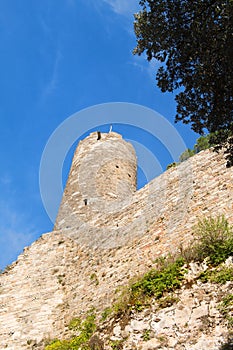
x=106 y=229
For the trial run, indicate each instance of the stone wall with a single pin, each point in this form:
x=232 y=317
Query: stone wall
x=169 y=205
x=69 y=270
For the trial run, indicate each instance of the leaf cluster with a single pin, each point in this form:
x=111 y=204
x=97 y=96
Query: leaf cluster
x=193 y=42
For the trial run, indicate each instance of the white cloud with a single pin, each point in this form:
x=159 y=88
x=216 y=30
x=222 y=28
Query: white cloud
x=53 y=82
x=123 y=7
x=141 y=63
x=52 y=57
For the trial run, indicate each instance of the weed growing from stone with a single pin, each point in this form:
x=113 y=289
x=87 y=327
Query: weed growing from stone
x=85 y=330
x=226 y=308
x=146 y=334
x=155 y=283
x=213 y=238
x=221 y=275
x=117 y=344
x=106 y=313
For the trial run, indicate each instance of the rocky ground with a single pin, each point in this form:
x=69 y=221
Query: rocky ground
x=187 y=319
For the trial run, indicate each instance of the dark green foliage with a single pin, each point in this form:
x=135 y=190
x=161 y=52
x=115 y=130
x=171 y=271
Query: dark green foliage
x=213 y=239
x=203 y=142
x=157 y=282
x=193 y=42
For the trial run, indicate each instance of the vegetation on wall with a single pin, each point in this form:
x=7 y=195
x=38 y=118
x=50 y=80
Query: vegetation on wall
x=84 y=330
x=213 y=239
x=202 y=143
x=213 y=242
x=167 y=277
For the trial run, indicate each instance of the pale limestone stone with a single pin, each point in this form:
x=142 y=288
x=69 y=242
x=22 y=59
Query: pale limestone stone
x=172 y=342
x=182 y=316
x=151 y=344
x=117 y=331
x=204 y=343
x=229 y=261
x=50 y=282
x=201 y=311
x=138 y=326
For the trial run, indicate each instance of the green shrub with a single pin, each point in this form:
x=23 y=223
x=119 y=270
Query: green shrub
x=58 y=345
x=75 y=324
x=202 y=143
x=154 y=283
x=226 y=308
x=221 y=275
x=146 y=334
x=213 y=238
x=85 y=329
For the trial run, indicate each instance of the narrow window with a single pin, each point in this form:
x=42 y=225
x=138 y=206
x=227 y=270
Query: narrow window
x=85 y=201
x=99 y=135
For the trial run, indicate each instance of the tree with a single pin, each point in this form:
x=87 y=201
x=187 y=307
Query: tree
x=186 y=154
x=193 y=41
x=202 y=143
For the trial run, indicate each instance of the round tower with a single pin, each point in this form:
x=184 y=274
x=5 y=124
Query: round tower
x=101 y=179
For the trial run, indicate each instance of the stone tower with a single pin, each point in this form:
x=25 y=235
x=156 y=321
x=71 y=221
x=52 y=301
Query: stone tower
x=102 y=178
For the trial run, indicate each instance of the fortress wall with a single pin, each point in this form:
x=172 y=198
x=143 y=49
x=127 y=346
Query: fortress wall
x=167 y=207
x=67 y=271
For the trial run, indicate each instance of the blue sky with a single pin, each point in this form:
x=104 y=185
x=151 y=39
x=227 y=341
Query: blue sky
x=57 y=58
